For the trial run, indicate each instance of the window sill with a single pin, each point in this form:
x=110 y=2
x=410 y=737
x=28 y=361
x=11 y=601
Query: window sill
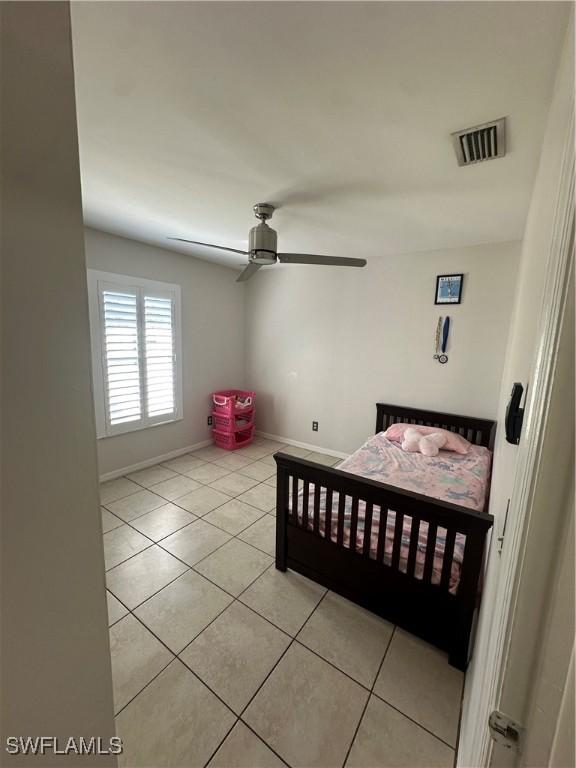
x=140 y=429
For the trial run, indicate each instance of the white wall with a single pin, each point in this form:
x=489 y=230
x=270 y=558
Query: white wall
x=56 y=675
x=563 y=752
x=553 y=675
x=212 y=341
x=325 y=344
x=520 y=356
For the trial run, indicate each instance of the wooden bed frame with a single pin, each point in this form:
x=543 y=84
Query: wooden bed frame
x=415 y=604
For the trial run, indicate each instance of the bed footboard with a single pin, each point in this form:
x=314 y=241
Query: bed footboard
x=316 y=537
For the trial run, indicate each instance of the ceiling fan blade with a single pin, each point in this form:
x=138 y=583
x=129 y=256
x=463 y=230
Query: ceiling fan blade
x=209 y=245
x=310 y=258
x=247 y=273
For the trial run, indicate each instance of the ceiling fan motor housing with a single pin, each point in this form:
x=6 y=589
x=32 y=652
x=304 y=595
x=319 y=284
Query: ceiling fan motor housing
x=262 y=244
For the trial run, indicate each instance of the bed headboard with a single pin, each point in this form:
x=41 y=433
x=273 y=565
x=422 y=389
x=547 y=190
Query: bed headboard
x=477 y=431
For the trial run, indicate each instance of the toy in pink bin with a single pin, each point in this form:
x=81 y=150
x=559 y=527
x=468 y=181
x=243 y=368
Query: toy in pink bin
x=427 y=445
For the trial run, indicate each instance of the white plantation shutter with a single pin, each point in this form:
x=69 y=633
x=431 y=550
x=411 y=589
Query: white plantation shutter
x=135 y=326
x=121 y=353
x=159 y=351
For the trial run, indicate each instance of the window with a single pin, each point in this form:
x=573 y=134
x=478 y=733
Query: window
x=136 y=358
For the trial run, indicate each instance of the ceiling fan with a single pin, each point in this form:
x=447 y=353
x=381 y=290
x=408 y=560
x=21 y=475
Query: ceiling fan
x=262 y=248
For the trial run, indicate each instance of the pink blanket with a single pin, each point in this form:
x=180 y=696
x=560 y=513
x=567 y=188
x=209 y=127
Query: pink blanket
x=460 y=479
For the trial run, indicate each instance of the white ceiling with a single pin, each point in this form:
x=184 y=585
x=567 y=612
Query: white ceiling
x=340 y=113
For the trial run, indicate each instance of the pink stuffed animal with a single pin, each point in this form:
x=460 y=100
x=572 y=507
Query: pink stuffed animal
x=427 y=445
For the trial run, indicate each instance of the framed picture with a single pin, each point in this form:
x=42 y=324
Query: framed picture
x=449 y=289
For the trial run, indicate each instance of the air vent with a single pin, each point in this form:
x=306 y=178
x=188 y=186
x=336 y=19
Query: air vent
x=482 y=142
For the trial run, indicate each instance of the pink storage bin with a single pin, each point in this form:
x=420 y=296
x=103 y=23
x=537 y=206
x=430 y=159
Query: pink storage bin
x=233 y=423
x=233 y=401
x=231 y=441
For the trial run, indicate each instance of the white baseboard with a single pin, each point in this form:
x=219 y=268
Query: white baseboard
x=181 y=451
x=298 y=444
x=151 y=462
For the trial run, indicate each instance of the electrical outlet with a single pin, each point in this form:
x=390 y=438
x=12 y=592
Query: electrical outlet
x=314 y=426
x=209 y=421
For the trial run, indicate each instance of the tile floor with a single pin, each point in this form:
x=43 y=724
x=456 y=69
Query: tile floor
x=219 y=659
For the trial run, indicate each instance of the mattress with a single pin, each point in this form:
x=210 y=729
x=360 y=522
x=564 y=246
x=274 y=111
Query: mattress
x=457 y=478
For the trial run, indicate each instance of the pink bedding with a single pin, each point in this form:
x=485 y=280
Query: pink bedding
x=460 y=479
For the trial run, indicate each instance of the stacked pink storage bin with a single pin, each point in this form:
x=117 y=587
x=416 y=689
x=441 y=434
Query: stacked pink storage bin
x=233 y=418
